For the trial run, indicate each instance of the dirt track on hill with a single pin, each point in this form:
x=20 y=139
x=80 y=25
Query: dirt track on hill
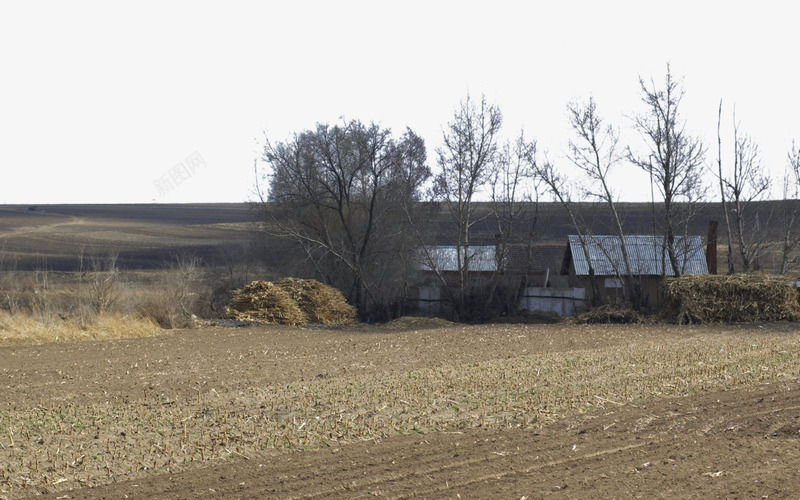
x=41 y=228
x=742 y=441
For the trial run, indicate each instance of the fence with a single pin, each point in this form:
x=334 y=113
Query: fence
x=562 y=301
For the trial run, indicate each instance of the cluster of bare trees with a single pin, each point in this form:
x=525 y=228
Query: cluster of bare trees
x=672 y=157
x=743 y=181
x=741 y=184
x=356 y=202
x=677 y=165
x=475 y=160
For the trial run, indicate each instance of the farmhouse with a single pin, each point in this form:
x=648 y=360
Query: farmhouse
x=648 y=260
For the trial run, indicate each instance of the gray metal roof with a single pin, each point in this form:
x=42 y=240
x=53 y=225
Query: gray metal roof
x=645 y=254
x=445 y=258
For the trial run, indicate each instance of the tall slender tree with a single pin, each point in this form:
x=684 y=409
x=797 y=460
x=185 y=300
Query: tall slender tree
x=747 y=182
x=723 y=194
x=556 y=182
x=466 y=161
x=672 y=156
x=595 y=151
x=514 y=201
x=740 y=184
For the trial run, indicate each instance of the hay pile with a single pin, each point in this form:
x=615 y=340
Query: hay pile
x=610 y=314
x=321 y=304
x=738 y=298
x=265 y=302
x=291 y=302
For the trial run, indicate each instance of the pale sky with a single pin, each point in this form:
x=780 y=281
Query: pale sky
x=99 y=101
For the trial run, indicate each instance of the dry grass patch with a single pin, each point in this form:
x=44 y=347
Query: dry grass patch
x=26 y=329
x=619 y=314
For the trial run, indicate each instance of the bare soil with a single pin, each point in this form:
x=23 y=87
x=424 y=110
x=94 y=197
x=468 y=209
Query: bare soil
x=734 y=437
x=740 y=443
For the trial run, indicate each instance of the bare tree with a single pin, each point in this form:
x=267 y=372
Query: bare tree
x=512 y=183
x=338 y=193
x=745 y=183
x=673 y=158
x=558 y=186
x=515 y=190
x=791 y=193
x=185 y=272
x=740 y=185
x=103 y=289
x=514 y=199
x=595 y=151
x=466 y=162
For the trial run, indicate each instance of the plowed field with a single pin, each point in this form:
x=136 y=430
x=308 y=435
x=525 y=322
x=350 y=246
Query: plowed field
x=471 y=412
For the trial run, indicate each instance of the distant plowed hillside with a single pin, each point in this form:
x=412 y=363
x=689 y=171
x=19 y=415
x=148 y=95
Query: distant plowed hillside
x=553 y=223
x=146 y=236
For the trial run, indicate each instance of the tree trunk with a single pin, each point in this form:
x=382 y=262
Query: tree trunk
x=731 y=268
x=669 y=241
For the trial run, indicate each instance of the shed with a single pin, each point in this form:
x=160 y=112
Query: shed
x=648 y=259
x=482 y=262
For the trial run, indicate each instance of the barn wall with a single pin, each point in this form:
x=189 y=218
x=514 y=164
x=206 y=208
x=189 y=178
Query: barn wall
x=651 y=289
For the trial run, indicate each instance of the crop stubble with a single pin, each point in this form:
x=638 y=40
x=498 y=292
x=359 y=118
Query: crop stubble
x=80 y=415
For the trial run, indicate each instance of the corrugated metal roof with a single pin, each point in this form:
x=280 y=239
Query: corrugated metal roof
x=445 y=258
x=644 y=253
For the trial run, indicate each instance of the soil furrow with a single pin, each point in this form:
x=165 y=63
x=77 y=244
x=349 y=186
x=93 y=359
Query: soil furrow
x=733 y=436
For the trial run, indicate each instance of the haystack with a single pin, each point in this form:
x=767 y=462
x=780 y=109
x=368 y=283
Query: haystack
x=322 y=304
x=610 y=314
x=264 y=302
x=738 y=298
x=291 y=302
